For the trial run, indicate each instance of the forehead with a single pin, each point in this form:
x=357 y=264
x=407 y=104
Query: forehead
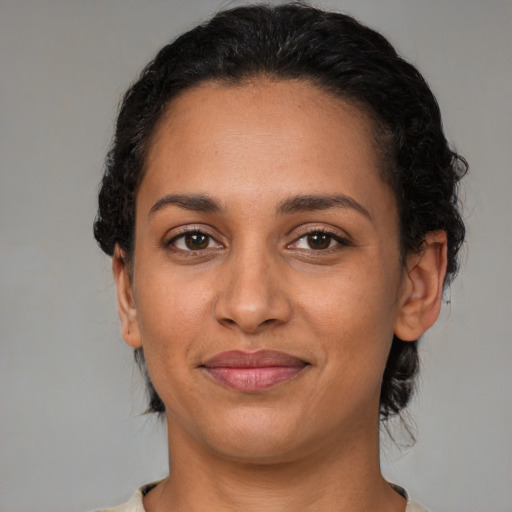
x=276 y=137
x=296 y=108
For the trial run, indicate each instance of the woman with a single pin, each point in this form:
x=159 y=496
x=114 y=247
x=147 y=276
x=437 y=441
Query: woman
x=280 y=205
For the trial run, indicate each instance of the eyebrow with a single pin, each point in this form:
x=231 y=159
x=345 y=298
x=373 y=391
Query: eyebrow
x=195 y=202
x=304 y=203
x=295 y=204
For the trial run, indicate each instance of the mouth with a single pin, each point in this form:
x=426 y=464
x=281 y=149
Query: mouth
x=253 y=372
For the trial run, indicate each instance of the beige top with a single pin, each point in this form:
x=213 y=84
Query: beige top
x=135 y=502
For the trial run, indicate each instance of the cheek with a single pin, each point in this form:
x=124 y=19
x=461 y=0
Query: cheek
x=171 y=319
x=172 y=313
x=353 y=314
x=354 y=297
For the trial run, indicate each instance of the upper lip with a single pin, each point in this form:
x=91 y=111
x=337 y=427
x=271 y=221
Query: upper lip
x=259 y=359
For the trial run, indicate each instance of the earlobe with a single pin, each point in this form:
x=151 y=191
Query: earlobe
x=423 y=288
x=125 y=299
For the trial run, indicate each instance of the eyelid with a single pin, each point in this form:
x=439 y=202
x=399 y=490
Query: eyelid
x=342 y=239
x=181 y=231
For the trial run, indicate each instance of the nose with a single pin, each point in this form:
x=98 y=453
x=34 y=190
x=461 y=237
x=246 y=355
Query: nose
x=252 y=294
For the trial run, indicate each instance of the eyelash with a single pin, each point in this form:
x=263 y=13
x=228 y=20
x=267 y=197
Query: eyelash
x=339 y=241
x=190 y=232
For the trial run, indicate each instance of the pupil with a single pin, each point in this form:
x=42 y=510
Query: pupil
x=196 y=241
x=319 y=240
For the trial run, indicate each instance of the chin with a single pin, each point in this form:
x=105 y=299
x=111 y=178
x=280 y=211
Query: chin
x=258 y=437
x=259 y=450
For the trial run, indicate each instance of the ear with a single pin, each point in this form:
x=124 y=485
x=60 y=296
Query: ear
x=125 y=299
x=422 y=290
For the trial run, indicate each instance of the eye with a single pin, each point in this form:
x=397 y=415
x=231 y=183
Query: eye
x=193 y=241
x=318 y=241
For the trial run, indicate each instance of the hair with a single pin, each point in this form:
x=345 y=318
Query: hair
x=338 y=54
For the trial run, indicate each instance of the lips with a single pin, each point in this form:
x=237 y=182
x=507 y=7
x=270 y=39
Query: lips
x=253 y=372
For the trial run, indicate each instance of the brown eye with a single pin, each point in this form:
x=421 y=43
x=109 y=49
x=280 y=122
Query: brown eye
x=319 y=240
x=196 y=241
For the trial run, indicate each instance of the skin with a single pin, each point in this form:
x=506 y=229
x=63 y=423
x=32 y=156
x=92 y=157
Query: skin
x=309 y=443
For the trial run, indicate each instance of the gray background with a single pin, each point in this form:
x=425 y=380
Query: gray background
x=71 y=434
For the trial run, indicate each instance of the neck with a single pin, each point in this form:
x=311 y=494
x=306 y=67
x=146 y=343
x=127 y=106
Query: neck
x=343 y=477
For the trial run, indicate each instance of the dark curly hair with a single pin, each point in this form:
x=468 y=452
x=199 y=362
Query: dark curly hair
x=338 y=54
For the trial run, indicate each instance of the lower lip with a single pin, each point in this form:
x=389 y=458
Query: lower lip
x=253 y=380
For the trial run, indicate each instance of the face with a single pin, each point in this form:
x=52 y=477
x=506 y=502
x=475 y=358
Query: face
x=266 y=281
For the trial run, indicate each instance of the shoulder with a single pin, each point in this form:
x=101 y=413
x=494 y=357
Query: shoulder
x=412 y=506
x=134 y=504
